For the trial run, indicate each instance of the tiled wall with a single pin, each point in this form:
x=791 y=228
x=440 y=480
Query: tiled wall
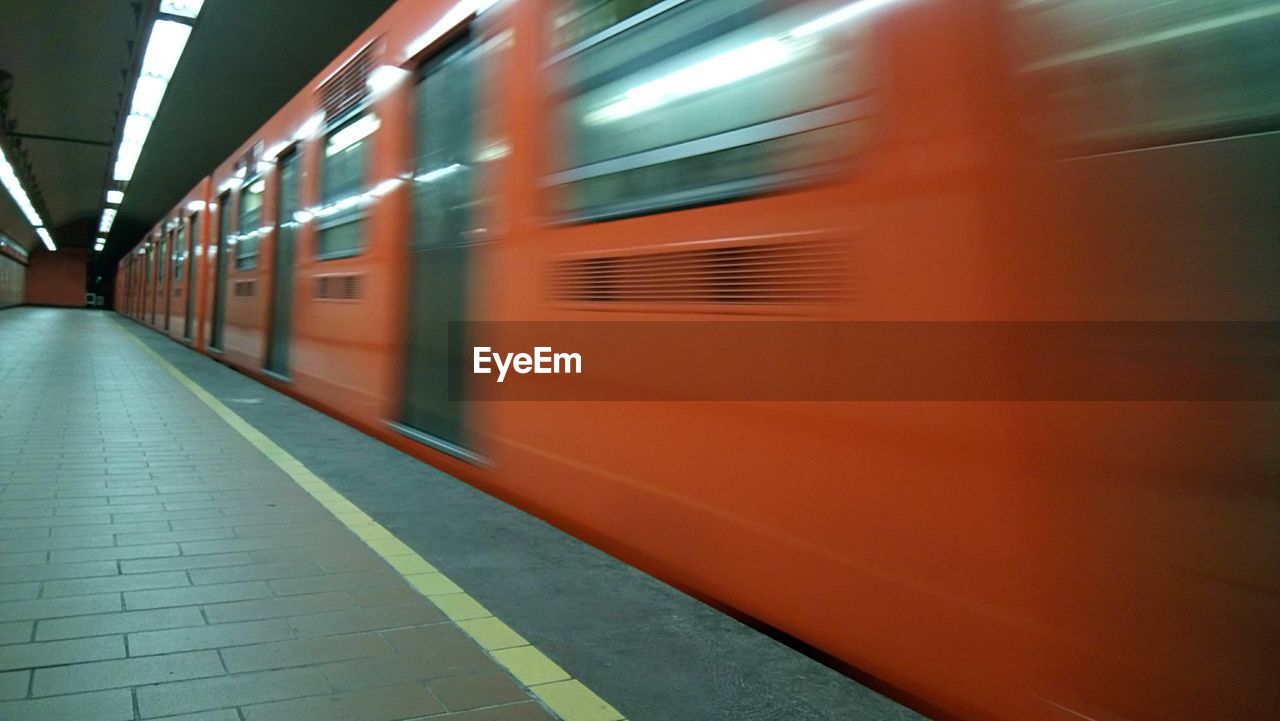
x=13 y=276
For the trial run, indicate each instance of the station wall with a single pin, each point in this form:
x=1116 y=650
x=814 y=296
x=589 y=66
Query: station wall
x=57 y=278
x=13 y=276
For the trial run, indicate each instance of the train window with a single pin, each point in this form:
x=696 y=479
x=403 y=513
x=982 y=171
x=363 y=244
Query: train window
x=1106 y=75
x=179 y=254
x=161 y=255
x=576 y=21
x=706 y=100
x=250 y=230
x=342 y=211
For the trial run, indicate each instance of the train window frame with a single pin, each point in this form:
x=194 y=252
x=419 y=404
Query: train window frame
x=568 y=84
x=192 y=219
x=163 y=245
x=297 y=151
x=242 y=261
x=179 y=246
x=358 y=213
x=1155 y=94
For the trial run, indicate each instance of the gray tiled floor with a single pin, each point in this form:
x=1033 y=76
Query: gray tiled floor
x=154 y=564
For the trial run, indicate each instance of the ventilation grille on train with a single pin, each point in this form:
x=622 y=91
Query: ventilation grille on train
x=777 y=273
x=339 y=287
x=348 y=86
x=244 y=288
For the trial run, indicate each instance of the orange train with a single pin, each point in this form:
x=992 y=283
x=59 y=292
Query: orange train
x=795 y=160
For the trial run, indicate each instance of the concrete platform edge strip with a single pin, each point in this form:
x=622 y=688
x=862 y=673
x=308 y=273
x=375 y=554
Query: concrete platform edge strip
x=567 y=697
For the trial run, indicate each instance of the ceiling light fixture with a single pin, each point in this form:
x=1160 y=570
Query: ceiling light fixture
x=165 y=44
x=108 y=219
x=164 y=49
x=9 y=178
x=182 y=8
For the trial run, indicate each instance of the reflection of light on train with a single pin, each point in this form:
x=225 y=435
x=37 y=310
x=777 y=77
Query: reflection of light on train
x=729 y=159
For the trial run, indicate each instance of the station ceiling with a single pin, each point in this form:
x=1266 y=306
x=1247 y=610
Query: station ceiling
x=66 y=74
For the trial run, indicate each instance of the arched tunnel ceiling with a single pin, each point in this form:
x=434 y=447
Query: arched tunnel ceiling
x=72 y=66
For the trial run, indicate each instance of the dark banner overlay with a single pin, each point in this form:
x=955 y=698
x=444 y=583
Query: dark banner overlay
x=865 y=361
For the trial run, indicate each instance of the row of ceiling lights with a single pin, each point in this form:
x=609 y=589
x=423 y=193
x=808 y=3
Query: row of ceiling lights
x=165 y=44
x=164 y=49
x=9 y=178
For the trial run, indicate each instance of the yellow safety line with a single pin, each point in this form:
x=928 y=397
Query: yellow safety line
x=567 y=696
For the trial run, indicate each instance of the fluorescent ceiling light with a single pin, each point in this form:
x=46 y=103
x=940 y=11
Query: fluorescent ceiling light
x=164 y=48
x=48 y=239
x=108 y=219
x=115 y=197
x=352 y=134
x=9 y=178
x=147 y=96
x=136 y=128
x=183 y=8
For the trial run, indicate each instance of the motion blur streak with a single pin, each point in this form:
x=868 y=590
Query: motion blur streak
x=1099 y=164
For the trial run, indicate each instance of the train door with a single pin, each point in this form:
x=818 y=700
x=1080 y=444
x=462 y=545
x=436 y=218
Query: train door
x=193 y=264
x=180 y=283
x=442 y=197
x=220 y=272
x=153 y=276
x=166 y=270
x=282 y=272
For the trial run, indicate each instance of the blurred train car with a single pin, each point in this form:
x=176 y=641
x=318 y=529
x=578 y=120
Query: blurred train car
x=888 y=160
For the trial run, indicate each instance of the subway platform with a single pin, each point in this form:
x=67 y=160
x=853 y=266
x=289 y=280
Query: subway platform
x=178 y=541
